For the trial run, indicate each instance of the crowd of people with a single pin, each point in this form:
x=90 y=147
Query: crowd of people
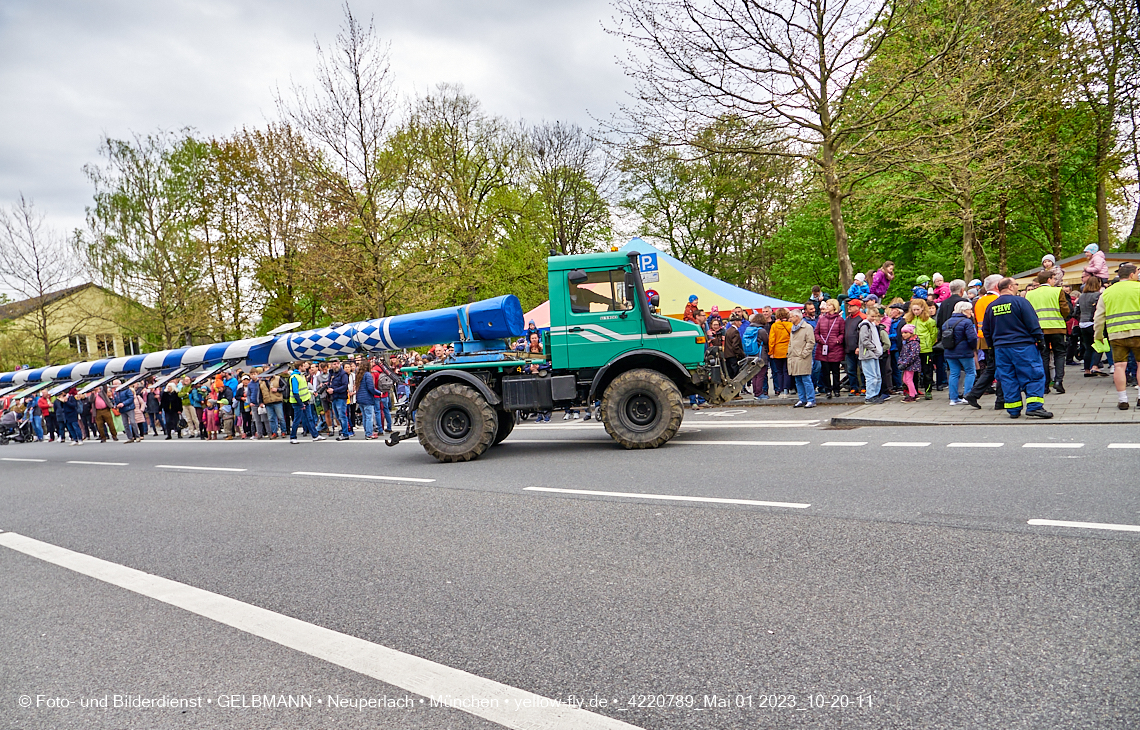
x=320 y=399
x=970 y=339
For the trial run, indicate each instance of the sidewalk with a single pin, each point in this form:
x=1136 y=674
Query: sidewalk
x=1087 y=401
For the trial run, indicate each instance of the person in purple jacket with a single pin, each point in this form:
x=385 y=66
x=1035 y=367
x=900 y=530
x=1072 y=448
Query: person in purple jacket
x=881 y=281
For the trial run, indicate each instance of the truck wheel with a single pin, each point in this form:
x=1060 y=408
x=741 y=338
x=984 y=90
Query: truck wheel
x=455 y=423
x=642 y=409
x=506 y=425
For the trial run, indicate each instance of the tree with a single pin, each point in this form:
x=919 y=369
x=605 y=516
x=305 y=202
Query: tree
x=716 y=211
x=348 y=121
x=791 y=67
x=139 y=240
x=1103 y=43
x=569 y=173
x=35 y=262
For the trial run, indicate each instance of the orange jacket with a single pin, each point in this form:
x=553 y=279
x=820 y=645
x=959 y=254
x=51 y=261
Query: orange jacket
x=779 y=337
x=979 y=313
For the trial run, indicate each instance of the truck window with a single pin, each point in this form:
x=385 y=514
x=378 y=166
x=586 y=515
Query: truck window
x=603 y=291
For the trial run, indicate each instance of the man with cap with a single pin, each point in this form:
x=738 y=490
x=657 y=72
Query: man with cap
x=989 y=362
x=1052 y=307
x=1012 y=329
x=692 y=308
x=1118 y=315
x=855 y=381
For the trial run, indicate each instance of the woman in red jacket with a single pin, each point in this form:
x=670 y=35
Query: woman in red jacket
x=829 y=346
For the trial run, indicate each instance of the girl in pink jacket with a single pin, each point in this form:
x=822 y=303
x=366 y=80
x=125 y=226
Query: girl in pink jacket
x=1097 y=266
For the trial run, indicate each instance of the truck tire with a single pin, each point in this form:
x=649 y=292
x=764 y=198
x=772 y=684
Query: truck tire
x=642 y=409
x=455 y=423
x=506 y=425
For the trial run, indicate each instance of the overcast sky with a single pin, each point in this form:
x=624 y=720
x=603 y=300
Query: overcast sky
x=72 y=71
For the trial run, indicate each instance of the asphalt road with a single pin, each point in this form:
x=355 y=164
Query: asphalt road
x=896 y=586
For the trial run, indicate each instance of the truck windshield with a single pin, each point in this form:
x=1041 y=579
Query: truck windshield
x=602 y=291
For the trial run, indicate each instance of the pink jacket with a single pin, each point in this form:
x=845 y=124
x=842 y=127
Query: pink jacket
x=1097 y=266
x=941 y=293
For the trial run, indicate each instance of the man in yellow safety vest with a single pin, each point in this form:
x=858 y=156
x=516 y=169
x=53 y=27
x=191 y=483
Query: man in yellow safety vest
x=1118 y=316
x=1052 y=306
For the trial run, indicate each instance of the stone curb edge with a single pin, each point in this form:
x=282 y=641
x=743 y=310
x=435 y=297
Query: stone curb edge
x=843 y=421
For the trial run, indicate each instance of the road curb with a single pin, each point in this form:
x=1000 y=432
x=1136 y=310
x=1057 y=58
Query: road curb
x=849 y=422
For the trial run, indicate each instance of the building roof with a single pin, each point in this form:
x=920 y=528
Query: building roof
x=1073 y=266
x=15 y=310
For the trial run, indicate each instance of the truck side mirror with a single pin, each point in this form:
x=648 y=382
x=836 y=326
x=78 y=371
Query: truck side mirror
x=630 y=286
x=655 y=300
x=577 y=276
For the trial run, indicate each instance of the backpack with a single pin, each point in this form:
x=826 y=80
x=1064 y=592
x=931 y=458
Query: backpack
x=949 y=341
x=751 y=341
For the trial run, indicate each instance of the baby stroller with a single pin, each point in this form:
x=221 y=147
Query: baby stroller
x=11 y=429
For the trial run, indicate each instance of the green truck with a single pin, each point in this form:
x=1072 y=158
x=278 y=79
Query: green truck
x=606 y=345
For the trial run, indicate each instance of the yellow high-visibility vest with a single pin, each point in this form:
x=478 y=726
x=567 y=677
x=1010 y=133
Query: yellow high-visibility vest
x=1122 y=306
x=1046 y=301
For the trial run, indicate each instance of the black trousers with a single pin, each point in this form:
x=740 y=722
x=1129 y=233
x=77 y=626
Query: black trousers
x=1053 y=351
x=989 y=372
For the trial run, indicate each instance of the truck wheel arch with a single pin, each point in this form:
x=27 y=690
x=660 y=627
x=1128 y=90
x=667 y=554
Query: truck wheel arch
x=463 y=377
x=666 y=364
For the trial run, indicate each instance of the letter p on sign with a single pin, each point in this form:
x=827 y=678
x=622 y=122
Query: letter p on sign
x=647 y=262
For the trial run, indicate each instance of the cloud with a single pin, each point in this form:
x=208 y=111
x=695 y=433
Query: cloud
x=73 y=71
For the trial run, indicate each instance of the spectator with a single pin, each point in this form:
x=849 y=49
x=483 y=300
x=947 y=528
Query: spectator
x=1011 y=327
x=989 y=362
x=927 y=332
x=1051 y=305
x=171 y=410
x=125 y=401
x=1118 y=316
x=801 y=343
x=910 y=360
x=882 y=279
x=1097 y=266
x=829 y=351
x=870 y=350
x=1087 y=304
x=855 y=383
x=960 y=357
x=859 y=289
x=779 y=334
x=941 y=289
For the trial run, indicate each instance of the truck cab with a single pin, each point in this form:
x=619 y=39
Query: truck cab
x=599 y=312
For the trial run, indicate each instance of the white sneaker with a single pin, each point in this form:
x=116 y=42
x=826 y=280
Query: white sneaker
x=566 y=417
x=957 y=402
x=576 y=416
x=321 y=437
x=294 y=441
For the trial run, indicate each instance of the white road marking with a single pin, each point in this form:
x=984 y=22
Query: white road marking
x=844 y=443
x=907 y=443
x=741 y=443
x=697 y=424
x=198 y=468
x=12 y=458
x=1052 y=446
x=510 y=707
x=1124 y=446
x=671 y=497
x=361 y=476
x=101 y=463
x=977 y=445
x=1086 y=525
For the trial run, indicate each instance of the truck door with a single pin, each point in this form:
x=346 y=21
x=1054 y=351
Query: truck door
x=601 y=318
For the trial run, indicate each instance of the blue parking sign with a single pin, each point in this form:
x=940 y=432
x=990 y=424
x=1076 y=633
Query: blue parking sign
x=647 y=262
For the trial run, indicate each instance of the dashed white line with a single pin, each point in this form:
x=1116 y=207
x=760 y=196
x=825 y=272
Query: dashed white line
x=975 y=445
x=1086 y=525
x=1065 y=445
x=198 y=468
x=669 y=497
x=1124 y=446
x=361 y=476
x=740 y=443
x=13 y=458
x=499 y=703
x=844 y=443
x=101 y=463
x=907 y=443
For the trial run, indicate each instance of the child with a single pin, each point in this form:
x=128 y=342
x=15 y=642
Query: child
x=211 y=417
x=941 y=289
x=227 y=418
x=919 y=288
x=859 y=289
x=909 y=361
